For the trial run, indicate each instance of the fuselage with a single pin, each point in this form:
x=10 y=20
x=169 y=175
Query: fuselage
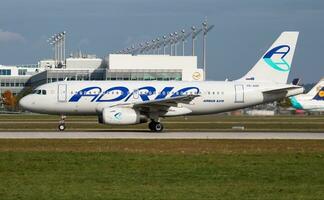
x=306 y=102
x=91 y=97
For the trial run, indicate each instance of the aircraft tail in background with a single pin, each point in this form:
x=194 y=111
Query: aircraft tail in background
x=316 y=89
x=320 y=95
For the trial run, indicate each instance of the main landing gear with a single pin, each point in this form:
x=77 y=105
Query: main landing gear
x=61 y=126
x=155 y=126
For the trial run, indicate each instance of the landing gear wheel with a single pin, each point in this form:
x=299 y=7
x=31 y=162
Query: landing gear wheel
x=61 y=127
x=155 y=126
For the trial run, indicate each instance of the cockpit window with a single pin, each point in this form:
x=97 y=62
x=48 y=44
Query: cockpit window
x=41 y=92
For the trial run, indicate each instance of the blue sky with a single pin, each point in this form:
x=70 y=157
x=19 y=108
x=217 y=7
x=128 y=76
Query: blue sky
x=243 y=31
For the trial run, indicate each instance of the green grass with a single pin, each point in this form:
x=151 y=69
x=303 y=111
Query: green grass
x=161 y=169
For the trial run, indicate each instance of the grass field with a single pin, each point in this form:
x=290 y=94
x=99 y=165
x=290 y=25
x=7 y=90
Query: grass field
x=161 y=169
x=193 y=123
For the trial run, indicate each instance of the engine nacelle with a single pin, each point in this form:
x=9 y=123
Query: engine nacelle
x=124 y=116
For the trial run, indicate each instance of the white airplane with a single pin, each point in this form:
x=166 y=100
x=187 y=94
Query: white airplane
x=134 y=102
x=312 y=101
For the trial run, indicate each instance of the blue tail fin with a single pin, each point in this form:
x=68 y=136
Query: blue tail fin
x=320 y=95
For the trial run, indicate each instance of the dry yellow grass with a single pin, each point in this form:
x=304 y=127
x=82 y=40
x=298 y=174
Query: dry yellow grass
x=162 y=146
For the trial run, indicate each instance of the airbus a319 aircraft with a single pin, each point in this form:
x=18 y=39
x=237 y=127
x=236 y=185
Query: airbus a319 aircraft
x=134 y=102
x=312 y=101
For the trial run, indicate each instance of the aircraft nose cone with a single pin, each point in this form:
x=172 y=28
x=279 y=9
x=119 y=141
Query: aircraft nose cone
x=25 y=103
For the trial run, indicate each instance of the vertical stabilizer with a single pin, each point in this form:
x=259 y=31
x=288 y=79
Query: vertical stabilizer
x=316 y=89
x=275 y=64
x=320 y=95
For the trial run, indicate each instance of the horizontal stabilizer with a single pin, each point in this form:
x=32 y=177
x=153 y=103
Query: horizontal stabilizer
x=281 y=90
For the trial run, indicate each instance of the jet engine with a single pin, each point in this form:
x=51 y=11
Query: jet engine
x=123 y=116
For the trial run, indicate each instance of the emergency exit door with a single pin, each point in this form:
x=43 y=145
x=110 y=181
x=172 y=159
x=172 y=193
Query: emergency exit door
x=239 y=94
x=61 y=93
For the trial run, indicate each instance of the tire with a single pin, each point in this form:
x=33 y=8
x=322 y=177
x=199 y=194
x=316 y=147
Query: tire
x=158 y=127
x=61 y=127
x=155 y=126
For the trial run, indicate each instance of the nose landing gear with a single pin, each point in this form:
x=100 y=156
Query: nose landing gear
x=61 y=126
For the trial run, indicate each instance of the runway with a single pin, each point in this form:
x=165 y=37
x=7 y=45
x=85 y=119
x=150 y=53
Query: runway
x=164 y=135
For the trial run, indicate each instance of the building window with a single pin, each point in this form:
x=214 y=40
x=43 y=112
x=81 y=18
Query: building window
x=5 y=72
x=22 y=72
x=145 y=75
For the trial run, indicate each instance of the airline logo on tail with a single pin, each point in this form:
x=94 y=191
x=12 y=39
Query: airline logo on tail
x=320 y=95
x=275 y=58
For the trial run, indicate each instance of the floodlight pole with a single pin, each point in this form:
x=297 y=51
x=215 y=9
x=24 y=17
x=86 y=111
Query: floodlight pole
x=176 y=43
x=204 y=46
x=61 y=43
x=64 y=37
x=171 y=44
x=53 y=49
x=60 y=47
x=153 y=46
x=158 y=45
x=56 y=51
x=164 y=44
x=183 y=42
x=206 y=28
x=193 y=40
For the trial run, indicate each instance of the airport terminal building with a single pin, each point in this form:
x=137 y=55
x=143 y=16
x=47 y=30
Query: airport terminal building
x=125 y=67
x=147 y=61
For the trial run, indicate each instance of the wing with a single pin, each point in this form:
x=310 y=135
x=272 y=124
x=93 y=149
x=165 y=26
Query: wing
x=160 y=105
x=168 y=102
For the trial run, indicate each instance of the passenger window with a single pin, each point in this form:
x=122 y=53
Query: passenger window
x=38 y=92
x=43 y=92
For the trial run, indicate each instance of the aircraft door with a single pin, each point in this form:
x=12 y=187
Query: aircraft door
x=239 y=94
x=61 y=93
x=135 y=94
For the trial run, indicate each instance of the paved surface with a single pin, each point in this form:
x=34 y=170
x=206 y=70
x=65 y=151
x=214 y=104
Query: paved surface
x=165 y=135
